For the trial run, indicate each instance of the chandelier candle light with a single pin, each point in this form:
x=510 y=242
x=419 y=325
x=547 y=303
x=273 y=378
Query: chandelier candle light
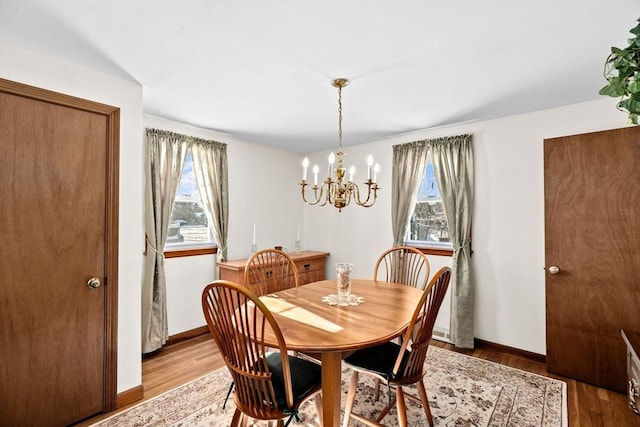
x=339 y=192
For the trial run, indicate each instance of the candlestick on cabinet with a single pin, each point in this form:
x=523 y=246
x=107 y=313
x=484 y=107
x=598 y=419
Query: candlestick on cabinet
x=254 y=247
x=298 y=246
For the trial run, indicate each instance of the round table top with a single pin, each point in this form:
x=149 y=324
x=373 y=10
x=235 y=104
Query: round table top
x=310 y=325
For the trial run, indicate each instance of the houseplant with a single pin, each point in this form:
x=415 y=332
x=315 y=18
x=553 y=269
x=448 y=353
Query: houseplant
x=622 y=71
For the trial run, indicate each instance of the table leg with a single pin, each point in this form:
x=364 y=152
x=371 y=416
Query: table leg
x=331 y=388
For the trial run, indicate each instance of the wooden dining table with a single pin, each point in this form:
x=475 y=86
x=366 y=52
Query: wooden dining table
x=332 y=332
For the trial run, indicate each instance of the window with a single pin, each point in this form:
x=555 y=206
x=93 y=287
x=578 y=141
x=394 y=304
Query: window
x=188 y=225
x=428 y=224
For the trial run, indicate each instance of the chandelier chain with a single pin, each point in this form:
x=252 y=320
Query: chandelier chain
x=340 y=116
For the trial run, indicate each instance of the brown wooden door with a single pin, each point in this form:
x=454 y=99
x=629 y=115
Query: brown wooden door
x=592 y=220
x=56 y=231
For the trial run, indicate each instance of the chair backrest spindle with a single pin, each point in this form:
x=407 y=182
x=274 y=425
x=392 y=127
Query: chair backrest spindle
x=403 y=264
x=270 y=270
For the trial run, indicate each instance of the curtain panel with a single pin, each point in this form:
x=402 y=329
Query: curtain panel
x=166 y=152
x=409 y=161
x=452 y=159
x=453 y=167
x=210 y=169
x=163 y=172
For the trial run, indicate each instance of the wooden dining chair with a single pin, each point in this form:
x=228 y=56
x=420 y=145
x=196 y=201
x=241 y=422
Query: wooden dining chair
x=270 y=270
x=267 y=386
x=398 y=365
x=403 y=264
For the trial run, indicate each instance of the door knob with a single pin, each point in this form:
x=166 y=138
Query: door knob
x=554 y=270
x=93 y=283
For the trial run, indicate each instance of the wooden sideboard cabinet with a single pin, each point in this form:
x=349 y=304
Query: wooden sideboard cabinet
x=310 y=264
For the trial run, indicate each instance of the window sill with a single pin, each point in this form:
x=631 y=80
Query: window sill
x=431 y=250
x=179 y=252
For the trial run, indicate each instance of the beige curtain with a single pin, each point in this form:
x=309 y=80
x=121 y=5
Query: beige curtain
x=210 y=169
x=409 y=161
x=165 y=159
x=452 y=159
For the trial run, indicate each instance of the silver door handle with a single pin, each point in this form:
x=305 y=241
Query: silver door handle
x=554 y=270
x=93 y=283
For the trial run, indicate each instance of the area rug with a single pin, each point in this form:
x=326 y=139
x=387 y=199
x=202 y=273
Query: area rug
x=463 y=391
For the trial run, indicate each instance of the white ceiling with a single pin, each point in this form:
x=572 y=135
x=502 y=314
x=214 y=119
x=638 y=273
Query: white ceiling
x=262 y=70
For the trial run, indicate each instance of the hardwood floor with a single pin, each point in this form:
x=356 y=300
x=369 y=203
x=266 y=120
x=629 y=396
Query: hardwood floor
x=587 y=405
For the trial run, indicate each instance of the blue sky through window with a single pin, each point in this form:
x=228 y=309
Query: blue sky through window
x=429 y=187
x=188 y=186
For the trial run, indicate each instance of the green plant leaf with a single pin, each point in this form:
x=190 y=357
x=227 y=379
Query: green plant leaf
x=622 y=105
x=615 y=88
x=633 y=106
x=634 y=87
x=630 y=105
x=609 y=90
x=621 y=68
x=626 y=61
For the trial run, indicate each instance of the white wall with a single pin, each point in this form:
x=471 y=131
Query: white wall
x=508 y=224
x=262 y=191
x=45 y=72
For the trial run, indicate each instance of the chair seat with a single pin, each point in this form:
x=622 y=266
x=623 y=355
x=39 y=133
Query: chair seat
x=306 y=376
x=379 y=359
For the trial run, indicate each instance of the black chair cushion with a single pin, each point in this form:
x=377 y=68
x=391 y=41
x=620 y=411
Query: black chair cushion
x=379 y=359
x=305 y=377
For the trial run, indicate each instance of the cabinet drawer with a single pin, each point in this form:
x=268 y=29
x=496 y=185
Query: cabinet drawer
x=310 y=265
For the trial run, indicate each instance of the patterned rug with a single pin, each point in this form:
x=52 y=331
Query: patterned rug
x=463 y=391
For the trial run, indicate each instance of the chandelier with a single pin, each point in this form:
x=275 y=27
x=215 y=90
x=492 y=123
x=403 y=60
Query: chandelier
x=338 y=192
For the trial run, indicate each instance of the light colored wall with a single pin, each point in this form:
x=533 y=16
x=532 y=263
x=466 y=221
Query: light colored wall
x=508 y=224
x=48 y=73
x=260 y=192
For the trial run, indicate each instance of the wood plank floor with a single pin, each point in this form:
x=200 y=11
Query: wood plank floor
x=587 y=405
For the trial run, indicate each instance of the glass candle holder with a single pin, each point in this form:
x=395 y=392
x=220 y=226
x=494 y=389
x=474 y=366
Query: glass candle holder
x=343 y=282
